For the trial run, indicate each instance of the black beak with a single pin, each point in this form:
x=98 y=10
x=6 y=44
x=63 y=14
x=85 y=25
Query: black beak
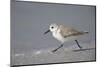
x=47 y=32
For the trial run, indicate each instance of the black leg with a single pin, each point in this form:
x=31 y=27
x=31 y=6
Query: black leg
x=78 y=44
x=57 y=48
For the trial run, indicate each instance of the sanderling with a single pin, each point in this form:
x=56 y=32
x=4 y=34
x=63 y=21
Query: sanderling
x=63 y=34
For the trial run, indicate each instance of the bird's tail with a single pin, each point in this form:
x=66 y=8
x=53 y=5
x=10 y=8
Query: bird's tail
x=86 y=32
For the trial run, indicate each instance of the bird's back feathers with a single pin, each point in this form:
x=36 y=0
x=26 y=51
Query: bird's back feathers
x=67 y=32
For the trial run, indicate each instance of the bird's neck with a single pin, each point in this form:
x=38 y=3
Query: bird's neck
x=56 y=31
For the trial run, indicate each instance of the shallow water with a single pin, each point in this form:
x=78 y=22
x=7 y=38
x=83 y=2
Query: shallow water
x=62 y=55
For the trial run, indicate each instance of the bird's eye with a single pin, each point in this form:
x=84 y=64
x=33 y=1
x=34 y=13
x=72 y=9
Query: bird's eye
x=52 y=27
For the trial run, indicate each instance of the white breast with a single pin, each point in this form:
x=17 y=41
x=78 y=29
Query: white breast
x=58 y=36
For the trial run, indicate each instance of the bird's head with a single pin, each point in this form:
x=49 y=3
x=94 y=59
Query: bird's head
x=53 y=27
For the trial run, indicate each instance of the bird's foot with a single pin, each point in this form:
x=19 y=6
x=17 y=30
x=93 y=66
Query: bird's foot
x=54 y=50
x=57 y=48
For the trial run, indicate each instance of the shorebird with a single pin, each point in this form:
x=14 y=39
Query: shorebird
x=64 y=34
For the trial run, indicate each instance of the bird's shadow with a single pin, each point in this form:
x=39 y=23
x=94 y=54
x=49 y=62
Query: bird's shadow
x=76 y=50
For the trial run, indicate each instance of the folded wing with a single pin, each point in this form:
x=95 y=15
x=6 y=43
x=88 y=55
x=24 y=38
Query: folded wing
x=67 y=32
